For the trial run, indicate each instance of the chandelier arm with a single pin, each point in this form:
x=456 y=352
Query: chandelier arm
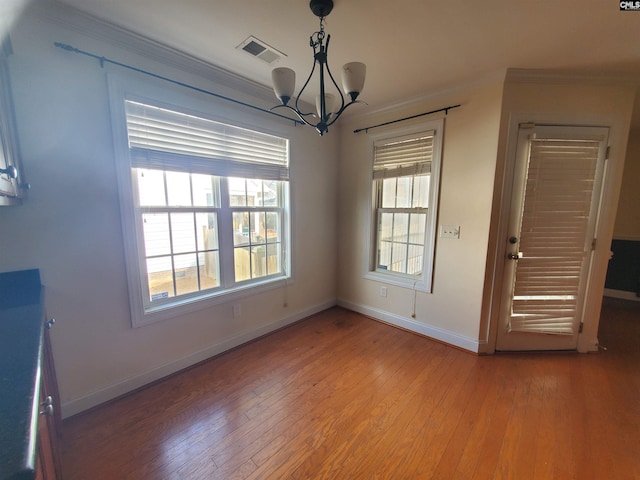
x=326 y=51
x=313 y=69
x=299 y=114
x=303 y=87
x=335 y=117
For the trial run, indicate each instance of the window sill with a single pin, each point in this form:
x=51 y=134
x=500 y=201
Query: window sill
x=193 y=304
x=399 y=281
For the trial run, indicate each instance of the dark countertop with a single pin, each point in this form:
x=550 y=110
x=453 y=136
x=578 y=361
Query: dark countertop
x=21 y=334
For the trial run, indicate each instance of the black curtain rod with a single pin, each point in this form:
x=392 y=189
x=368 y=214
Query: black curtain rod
x=445 y=109
x=104 y=60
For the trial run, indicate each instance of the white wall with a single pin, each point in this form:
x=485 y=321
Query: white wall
x=69 y=226
x=627 y=226
x=452 y=312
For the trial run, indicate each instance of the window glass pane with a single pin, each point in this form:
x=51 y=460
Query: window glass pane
x=257 y=226
x=258 y=261
x=401 y=227
x=421 y=191
x=182 y=232
x=160 y=278
x=389 y=193
x=151 y=188
x=178 y=189
x=385 y=229
x=207 y=231
x=417 y=223
x=242 y=263
x=399 y=257
x=205 y=190
x=274 y=263
x=209 y=264
x=403 y=193
x=237 y=192
x=273 y=227
x=414 y=262
x=156 y=234
x=271 y=193
x=254 y=192
x=186 y=273
x=240 y=228
x=384 y=255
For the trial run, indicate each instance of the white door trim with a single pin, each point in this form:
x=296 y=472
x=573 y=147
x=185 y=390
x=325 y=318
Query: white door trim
x=531 y=338
x=618 y=133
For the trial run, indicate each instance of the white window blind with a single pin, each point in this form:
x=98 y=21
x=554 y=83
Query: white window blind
x=403 y=157
x=168 y=140
x=554 y=238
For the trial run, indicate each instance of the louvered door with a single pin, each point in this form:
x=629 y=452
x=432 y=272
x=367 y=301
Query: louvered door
x=555 y=201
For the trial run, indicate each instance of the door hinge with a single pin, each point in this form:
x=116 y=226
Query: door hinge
x=607 y=152
x=593 y=245
x=580 y=328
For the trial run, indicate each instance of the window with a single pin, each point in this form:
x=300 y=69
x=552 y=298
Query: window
x=405 y=185
x=209 y=207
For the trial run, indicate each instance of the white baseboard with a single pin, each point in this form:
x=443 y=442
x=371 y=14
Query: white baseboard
x=445 y=336
x=110 y=392
x=621 y=294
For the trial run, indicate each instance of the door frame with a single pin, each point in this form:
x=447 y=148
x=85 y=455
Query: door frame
x=496 y=256
x=521 y=341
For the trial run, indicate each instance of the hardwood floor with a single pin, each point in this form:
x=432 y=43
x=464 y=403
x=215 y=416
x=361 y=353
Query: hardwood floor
x=340 y=396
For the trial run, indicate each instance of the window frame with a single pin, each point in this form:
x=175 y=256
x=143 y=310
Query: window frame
x=423 y=282
x=122 y=88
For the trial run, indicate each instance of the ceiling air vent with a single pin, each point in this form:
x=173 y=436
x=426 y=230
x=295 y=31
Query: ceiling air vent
x=258 y=48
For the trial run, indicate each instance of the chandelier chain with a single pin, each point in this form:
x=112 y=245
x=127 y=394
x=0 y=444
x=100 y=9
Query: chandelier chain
x=317 y=38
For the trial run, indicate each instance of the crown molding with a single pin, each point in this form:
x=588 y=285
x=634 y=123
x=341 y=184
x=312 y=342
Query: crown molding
x=418 y=102
x=72 y=19
x=523 y=75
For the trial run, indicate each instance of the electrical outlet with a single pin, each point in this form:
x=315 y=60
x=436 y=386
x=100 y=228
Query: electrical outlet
x=237 y=310
x=450 y=231
x=383 y=291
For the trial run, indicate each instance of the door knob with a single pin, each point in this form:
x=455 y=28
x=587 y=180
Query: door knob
x=10 y=171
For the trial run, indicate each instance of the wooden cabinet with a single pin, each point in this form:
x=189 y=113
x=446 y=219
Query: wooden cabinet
x=29 y=405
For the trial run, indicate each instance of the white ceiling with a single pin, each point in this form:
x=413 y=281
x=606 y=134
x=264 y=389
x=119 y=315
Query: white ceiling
x=411 y=47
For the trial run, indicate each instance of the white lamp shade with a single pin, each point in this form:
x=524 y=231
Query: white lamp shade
x=330 y=104
x=284 y=83
x=353 y=77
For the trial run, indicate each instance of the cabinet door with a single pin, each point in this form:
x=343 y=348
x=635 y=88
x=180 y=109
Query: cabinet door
x=46 y=462
x=51 y=420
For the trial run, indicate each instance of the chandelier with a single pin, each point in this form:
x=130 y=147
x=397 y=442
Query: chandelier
x=353 y=74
